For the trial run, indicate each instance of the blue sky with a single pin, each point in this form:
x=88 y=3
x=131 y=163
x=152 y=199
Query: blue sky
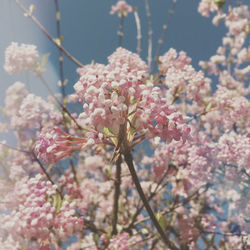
x=90 y=32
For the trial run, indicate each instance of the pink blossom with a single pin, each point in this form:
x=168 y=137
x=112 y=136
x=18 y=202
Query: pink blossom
x=55 y=145
x=122 y=8
x=14 y=97
x=23 y=57
x=112 y=92
x=36 y=113
x=120 y=242
x=206 y=6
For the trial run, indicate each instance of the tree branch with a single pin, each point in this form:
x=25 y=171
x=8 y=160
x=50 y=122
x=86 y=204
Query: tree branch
x=48 y=35
x=129 y=160
x=116 y=195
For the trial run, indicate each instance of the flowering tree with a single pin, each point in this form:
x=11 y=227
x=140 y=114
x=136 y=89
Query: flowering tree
x=80 y=181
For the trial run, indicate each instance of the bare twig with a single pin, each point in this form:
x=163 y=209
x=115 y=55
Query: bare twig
x=60 y=52
x=150 y=34
x=120 y=31
x=138 y=27
x=58 y=102
x=14 y=148
x=165 y=26
x=41 y=27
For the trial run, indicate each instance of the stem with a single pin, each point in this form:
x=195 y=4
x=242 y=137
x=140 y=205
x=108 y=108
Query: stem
x=129 y=160
x=41 y=27
x=120 y=31
x=116 y=195
x=14 y=148
x=72 y=166
x=60 y=58
x=138 y=27
x=149 y=198
x=46 y=173
x=58 y=102
x=165 y=26
x=150 y=33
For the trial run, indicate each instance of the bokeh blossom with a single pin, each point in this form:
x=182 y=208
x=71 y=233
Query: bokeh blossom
x=122 y=8
x=20 y=57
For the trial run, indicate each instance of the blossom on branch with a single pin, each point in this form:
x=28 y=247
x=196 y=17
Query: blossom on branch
x=122 y=8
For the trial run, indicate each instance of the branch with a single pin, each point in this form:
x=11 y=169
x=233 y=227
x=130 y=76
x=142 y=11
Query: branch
x=58 y=102
x=149 y=198
x=48 y=35
x=60 y=58
x=116 y=195
x=138 y=27
x=150 y=33
x=46 y=173
x=120 y=31
x=165 y=26
x=129 y=161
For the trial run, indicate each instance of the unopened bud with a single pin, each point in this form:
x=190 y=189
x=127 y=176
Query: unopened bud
x=219 y=3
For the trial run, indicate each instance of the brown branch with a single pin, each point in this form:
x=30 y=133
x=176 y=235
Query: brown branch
x=149 y=198
x=116 y=195
x=129 y=160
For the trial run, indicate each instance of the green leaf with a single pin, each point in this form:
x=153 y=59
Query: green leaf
x=44 y=60
x=113 y=136
x=162 y=220
x=57 y=202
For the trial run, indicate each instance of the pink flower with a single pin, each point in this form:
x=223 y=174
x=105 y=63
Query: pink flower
x=120 y=242
x=114 y=92
x=122 y=8
x=23 y=57
x=55 y=145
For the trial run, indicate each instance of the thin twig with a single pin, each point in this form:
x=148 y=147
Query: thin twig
x=72 y=166
x=58 y=102
x=120 y=31
x=138 y=27
x=129 y=160
x=150 y=35
x=116 y=195
x=46 y=173
x=165 y=26
x=14 y=148
x=41 y=27
x=60 y=58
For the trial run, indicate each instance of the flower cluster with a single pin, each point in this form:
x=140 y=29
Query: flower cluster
x=20 y=57
x=119 y=94
x=181 y=77
x=120 y=242
x=192 y=168
x=51 y=146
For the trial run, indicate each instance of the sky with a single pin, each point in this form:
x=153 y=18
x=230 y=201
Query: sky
x=90 y=33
